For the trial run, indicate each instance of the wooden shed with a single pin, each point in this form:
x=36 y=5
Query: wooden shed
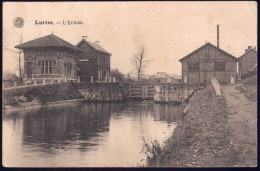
x=206 y=62
x=246 y=62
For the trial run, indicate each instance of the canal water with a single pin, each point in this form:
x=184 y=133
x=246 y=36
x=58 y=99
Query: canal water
x=85 y=135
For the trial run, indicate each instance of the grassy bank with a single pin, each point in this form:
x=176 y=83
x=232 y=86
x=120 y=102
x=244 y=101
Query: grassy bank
x=249 y=88
x=41 y=94
x=203 y=137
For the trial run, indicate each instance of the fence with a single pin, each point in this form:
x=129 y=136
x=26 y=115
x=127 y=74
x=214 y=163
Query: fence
x=36 y=81
x=31 y=83
x=216 y=86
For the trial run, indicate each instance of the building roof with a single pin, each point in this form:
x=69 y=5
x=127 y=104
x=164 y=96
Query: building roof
x=251 y=49
x=211 y=45
x=95 y=46
x=48 y=41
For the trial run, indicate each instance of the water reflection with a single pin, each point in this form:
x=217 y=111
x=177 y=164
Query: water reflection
x=93 y=134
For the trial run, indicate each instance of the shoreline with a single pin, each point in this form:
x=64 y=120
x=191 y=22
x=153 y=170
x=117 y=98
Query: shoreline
x=214 y=131
x=30 y=105
x=201 y=139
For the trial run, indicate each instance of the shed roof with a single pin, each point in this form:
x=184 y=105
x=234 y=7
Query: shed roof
x=211 y=45
x=48 y=41
x=251 y=49
x=95 y=46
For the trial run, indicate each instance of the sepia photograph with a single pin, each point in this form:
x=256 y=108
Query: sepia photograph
x=129 y=84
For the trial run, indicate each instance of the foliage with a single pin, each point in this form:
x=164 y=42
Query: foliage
x=119 y=76
x=151 y=149
x=43 y=94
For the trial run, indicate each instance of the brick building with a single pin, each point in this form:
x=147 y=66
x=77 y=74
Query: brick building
x=206 y=62
x=94 y=62
x=50 y=57
x=246 y=62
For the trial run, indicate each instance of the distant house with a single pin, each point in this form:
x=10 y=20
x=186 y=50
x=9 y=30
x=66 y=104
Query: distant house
x=95 y=61
x=206 y=62
x=246 y=62
x=49 y=57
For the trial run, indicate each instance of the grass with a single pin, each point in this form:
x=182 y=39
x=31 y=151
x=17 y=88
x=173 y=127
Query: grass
x=42 y=94
x=249 y=88
x=203 y=138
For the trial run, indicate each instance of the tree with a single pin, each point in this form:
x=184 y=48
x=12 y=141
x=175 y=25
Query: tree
x=119 y=76
x=140 y=62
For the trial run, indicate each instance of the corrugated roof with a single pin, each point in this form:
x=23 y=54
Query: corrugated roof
x=48 y=41
x=208 y=44
x=95 y=46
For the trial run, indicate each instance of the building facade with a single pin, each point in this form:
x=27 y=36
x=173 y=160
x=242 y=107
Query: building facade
x=94 y=62
x=206 y=62
x=246 y=62
x=50 y=57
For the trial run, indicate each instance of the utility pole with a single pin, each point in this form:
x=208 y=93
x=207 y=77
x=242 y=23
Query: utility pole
x=20 y=51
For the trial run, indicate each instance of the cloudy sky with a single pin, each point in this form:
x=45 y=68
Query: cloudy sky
x=168 y=30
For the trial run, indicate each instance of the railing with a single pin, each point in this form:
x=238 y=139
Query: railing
x=35 y=76
x=216 y=86
x=96 y=79
x=36 y=81
x=31 y=83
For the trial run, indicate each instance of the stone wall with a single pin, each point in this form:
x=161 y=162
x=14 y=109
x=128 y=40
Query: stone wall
x=104 y=91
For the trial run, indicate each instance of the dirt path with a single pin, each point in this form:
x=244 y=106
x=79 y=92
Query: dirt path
x=242 y=120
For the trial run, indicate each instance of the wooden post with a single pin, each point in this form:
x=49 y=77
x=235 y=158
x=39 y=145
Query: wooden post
x=35 y=82
x=91 y=79
x=58 y=80
x=43 y=81
x=66 y=79
x=15 y=84
x=114 y=79
x=78 y=78
x=52 y=81
x=110 y=79
x=25 y=83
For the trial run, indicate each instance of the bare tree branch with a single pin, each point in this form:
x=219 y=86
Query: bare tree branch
x=140 y=62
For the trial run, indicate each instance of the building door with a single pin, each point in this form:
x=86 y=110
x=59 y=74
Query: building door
x=29 y=69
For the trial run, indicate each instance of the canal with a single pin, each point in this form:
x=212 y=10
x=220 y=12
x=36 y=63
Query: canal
x=85 y=135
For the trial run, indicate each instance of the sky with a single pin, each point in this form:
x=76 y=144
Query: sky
x=168 y=30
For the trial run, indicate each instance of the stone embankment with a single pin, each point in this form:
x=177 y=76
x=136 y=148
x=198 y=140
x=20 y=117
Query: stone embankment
x=46 y=94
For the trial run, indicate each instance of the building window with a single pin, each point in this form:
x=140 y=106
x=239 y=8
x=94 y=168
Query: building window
x=220 y=66
x=194 y=66
x=68 y=68
x=46 y=66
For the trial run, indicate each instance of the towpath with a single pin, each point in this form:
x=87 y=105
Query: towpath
x=242 y=120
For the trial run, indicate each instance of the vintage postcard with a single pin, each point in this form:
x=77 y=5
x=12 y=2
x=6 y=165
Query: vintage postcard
x=129 y=84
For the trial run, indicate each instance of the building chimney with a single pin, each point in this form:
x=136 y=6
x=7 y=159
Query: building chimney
x=97 y=42
x=84 y=37
x=218 y=36
x=249 y=47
